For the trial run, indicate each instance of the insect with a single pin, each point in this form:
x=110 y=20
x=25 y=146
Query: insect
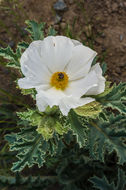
x=61 y=75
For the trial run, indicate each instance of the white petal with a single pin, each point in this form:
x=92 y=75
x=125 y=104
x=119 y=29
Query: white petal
x=80 y=62
x=42 y=58
x=43 y=87
x=101 y=81
x=69 y=102
x=42 y=105
x=56 y=52
x=32 y=65
x=81 y=86
x=26 y=83
x=56 y=97
x=50 y=97
x=76 y=42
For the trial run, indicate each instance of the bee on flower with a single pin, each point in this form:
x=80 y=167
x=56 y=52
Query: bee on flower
x=60 y=70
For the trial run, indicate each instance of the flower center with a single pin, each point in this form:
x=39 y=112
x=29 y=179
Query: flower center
x=59 y=80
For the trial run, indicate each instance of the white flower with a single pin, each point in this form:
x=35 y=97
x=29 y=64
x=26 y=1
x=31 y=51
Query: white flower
x=60 y=70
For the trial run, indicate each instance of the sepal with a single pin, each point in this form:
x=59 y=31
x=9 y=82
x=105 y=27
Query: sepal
x=47 y=122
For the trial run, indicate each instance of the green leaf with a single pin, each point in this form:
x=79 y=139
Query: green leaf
x=71 y=186
x=31 y=115
x=60 y=129
x=103 y=184
x=104 y=68
x=26 y=183
x=103 y=65
x=51 y=31
x=31 y=92
x=23 y=45
x=46 y=127
x=78 y=129
x=51 y=111
x=95 y=60
x=107 y=90
x=30 y=146
x=8 y=53
x=47 y=123
x=91 y=110
x=68 y=31
x=114 y=99
x=110 y=135
x=35 y=29
x=121 y=180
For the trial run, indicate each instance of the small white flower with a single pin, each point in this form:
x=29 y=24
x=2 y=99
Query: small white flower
x=60 y=70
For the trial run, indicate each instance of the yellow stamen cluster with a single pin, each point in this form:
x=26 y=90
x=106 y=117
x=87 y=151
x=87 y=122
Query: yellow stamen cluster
x=59 y=80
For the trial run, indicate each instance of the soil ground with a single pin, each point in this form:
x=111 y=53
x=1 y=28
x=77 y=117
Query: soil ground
x=101 y=24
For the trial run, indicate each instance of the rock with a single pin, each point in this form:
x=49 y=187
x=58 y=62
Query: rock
x=118 y=70
x=6 y=71
x=124 y=4
x=56 y=26
x=98 y=40
x=71 y=2
x=57 y=19
x=116 y=75
x=63 y=25
x=103 y=49
x=124 y=45
x=122 y=64
x=114 y=7
x=103 y=35
x=11 y=44
x=63 y=20
x=24 y=32
x=60 y=5
x=124 y=74
x=121 y=37
x=104 y=25
x=121 y=5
